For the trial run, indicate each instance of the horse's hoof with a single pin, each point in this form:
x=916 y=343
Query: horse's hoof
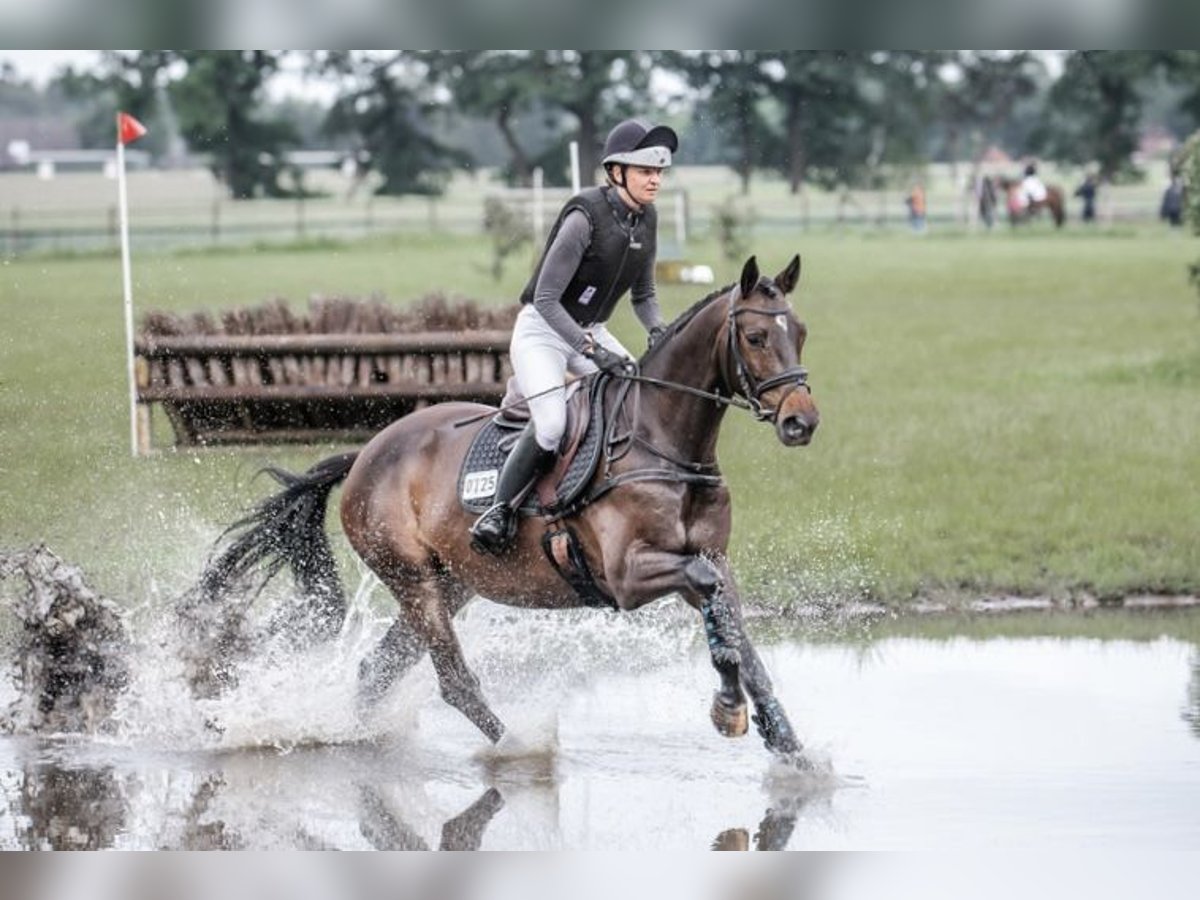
x=730 y=721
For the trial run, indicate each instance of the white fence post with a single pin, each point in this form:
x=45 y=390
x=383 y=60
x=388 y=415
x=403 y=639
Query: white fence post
x=538 y=208
x=574 y=167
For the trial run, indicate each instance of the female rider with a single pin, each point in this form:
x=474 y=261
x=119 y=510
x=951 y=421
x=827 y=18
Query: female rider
x=601 y=245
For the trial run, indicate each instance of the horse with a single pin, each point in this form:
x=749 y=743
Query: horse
x=658 y=522
x=1021 y=209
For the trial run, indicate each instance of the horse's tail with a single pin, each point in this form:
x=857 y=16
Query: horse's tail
x=288 y=529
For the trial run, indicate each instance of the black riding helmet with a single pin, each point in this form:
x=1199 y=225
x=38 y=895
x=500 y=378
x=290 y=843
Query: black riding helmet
x=638 y=143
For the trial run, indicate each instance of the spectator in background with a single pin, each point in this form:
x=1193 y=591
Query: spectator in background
x=987 y=200
x=1172 y=202
x=1087 y=193
x=915 y=201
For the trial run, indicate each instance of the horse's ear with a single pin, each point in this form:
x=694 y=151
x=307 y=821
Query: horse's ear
x=789 y=277
x=749 y=276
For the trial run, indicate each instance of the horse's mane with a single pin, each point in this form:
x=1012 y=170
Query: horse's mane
x=681 y=321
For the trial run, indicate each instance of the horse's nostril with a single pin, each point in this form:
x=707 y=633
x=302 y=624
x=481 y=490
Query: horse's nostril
x=795 y=428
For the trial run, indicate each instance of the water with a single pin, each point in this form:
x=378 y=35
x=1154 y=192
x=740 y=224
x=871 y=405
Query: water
x=999 y=737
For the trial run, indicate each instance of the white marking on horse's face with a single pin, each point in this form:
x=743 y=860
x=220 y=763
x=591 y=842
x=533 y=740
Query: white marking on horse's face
x=781 y=321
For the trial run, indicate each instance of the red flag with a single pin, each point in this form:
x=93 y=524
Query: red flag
x=129 y=129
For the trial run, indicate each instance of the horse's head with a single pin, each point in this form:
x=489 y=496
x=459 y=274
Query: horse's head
x=765 y=340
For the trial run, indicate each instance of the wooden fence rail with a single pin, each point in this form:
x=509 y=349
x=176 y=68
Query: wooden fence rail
x=222 y=389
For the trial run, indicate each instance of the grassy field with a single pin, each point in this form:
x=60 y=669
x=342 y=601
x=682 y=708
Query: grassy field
x=1001 y=413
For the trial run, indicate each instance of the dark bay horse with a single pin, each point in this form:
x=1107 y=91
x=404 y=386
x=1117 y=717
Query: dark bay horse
x=660 y=526
x=1020 y=212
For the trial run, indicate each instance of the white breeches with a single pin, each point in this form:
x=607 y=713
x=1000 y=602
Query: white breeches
x=541 y=360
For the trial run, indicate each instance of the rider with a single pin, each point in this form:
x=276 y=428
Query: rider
x=1031 y=186
x=602 y=245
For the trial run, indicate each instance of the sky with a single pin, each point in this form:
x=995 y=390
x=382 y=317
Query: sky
x=40 y=66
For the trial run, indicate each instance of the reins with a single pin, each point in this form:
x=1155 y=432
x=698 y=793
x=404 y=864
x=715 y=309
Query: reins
x=618 y=443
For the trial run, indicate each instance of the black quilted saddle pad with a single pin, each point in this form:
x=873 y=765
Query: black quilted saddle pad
x=481 y=467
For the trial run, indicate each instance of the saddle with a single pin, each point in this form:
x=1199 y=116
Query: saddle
x=564 y=483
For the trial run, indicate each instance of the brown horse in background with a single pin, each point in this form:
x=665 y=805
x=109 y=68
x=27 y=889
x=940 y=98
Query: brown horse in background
x=659 y=524
x=1019 y=213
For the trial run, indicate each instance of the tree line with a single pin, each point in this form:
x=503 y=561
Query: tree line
x=825 y=118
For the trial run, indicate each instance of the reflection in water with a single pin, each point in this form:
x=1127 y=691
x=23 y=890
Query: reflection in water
x=68 y=809
x=200 y=833
x=385 y=830
x=774 y=831
x=73 y=806
x=1191 y=712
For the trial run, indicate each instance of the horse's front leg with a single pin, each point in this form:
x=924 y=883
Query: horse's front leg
x=770 y=719
x=723 y=623
x=646 y=573
x=723 y=628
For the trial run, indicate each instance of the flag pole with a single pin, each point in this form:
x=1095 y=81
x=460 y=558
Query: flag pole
x=127 y=284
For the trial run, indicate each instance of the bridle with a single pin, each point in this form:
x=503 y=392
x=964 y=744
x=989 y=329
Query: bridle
x=753 y=389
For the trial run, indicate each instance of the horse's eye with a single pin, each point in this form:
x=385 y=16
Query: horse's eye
x=756 y=338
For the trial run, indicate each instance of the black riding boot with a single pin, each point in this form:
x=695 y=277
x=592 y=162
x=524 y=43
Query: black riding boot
x=494 y=531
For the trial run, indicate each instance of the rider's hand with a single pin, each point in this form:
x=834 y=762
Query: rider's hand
x=605 y=359
x=655 y=335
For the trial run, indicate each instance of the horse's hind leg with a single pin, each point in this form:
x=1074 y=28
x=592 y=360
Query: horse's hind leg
x=401 y=648
x=459 y=686
x=428 y=603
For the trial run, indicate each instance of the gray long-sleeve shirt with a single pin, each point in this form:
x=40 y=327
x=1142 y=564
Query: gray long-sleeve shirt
x=562 y=260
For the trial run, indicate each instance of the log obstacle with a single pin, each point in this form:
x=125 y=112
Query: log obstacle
x=304 y=387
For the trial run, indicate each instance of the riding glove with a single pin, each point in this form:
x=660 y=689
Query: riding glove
x=605 y=359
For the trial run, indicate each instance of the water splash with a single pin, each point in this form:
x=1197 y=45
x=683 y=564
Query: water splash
x=71 y=656
x=173 y=675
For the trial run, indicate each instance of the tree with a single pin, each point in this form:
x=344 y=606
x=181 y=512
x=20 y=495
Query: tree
x=732 y=89
x=1094 y=109
x=497 y=84
x=126 y=81
x=219 y=99
x=817 y=93
x=597 y=87
x=388 y=107
x=976 y=98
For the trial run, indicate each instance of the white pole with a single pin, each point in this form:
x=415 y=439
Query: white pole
x=539 y=222
x=574 y=167
x=127 y=284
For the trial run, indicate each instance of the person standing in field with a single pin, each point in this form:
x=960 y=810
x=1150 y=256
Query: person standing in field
x=915 y=201
x=602 y=245
x=1172 y=203
x=987 y=200
x=1087 y=193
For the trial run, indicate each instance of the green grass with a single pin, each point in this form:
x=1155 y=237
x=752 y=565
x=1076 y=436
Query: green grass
x=1000 y=413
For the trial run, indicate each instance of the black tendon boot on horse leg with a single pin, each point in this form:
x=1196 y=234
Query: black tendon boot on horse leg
x=494 y=531
x=724 y=632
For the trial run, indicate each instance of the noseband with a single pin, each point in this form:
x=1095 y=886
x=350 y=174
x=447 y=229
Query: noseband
x=752 y=388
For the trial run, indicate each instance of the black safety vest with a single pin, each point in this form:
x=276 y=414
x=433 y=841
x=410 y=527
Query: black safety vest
x=622 y=242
